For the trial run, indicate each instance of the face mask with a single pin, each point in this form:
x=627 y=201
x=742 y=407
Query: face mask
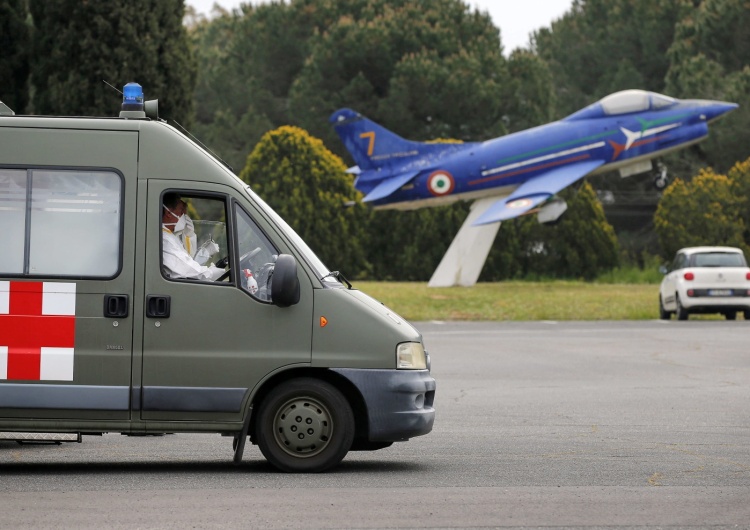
x=181 y=222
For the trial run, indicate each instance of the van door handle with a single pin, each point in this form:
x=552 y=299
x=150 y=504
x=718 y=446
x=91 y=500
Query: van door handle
x=116 y=305
x=157 y=305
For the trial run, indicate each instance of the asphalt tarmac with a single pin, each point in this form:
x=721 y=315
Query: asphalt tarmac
x=539 y=424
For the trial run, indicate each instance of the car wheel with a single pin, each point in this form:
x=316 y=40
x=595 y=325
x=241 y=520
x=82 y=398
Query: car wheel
x=663 y=313
x=730 y=315
x=305 y=425
x=746 y=314
x=682 y=313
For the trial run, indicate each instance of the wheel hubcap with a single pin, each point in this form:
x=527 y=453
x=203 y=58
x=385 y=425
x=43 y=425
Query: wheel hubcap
x=303 y=427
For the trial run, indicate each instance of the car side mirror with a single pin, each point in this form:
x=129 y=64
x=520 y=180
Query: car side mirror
x=285 y=284
x=663 y=269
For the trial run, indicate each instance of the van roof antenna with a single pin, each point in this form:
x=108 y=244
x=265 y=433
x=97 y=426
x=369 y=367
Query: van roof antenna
x=5 y=110
x=112 y=87
x=204 y=146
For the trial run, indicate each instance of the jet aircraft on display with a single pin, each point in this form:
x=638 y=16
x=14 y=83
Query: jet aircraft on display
x=519 y=173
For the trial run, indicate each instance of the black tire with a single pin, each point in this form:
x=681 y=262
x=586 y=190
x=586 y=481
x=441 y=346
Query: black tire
x=746 y=314
x=663 y=313
x=304 y=425
x=730 y=315
x=682 y=313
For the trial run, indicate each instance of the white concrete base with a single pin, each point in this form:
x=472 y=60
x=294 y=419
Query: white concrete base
x=464 y=259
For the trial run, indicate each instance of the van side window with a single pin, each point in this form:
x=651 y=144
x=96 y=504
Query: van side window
x=257 y=256
x=66 y=221
x=194 y=238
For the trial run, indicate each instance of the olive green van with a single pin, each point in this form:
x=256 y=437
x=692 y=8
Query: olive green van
x=101 y=329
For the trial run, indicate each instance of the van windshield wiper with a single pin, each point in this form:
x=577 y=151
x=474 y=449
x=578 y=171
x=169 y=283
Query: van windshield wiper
x=340 y=277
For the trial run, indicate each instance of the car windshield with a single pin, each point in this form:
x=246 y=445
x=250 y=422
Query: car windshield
x=717 y=259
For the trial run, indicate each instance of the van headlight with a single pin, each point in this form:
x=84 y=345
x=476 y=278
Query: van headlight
x=410 y=356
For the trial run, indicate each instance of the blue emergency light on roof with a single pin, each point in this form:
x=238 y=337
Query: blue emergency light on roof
x=132 y=97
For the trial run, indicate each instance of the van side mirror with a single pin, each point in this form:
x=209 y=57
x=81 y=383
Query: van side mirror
x=285 y=284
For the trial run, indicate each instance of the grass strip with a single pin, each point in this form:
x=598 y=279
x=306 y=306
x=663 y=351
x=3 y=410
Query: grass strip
x=549 y=300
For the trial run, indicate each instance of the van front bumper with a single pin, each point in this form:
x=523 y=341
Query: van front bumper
x=399 y=402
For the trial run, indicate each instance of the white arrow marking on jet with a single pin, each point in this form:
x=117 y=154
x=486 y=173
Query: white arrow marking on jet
x=633 y=136
x=542 y=158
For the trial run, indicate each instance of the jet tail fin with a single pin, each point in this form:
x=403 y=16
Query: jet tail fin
x=374 y=147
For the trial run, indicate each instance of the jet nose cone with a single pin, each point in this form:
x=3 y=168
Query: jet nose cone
x=716 y=109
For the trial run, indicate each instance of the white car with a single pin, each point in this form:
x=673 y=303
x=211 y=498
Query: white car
x=706 y=280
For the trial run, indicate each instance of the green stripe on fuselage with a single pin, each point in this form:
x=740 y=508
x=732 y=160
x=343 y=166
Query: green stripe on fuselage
x=647 y=124
x=558 y=146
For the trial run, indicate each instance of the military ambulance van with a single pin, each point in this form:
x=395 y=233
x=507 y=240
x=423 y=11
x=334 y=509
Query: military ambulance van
x=107 y=327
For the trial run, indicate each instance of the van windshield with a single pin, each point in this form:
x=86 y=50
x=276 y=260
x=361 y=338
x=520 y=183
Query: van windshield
x=321 y=271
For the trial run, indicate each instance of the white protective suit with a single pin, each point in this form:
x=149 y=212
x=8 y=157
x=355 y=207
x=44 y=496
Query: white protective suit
x=179 y=264
x=190 y=241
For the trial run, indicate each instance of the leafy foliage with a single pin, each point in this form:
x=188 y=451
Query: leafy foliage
x=398 y=62
x=582 y=244
x=710 y=59
x=118 y=42
x=711 y=209
x=689 y=49
x=247 y=61
x=602 y=46
x=14 y=59
x=739 y=175
x=395 y=61
x=307 y=185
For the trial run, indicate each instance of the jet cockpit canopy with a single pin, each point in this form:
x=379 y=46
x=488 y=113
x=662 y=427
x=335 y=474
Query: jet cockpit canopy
x=624 y=102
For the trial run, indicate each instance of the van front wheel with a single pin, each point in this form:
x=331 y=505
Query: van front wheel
x=305 y=425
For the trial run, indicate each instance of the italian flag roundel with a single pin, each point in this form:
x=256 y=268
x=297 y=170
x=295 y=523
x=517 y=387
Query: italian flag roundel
x=37 y=331
x=440 y=183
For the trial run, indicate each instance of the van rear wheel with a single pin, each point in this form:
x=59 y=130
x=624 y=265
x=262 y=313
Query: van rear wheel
x=305 y=425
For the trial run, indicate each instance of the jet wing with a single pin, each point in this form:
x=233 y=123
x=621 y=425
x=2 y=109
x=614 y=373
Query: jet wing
x=535 y=191
x=389 y=185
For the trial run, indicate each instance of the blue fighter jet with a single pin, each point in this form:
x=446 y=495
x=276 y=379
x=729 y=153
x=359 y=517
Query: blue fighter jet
x=519 y=173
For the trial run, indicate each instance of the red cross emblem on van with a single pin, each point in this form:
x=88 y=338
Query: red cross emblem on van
x=37 y=330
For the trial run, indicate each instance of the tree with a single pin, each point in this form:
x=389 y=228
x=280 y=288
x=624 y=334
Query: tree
x=407 y=246
x=78 y=45
x=711 y=209
x=14 y=59
x=424 y=70
x=602 y=46
x=530 y=92
x=247 y=62
x=739 y=175
x=710 y=59
x=308 y=186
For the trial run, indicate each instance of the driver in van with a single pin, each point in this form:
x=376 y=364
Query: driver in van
x=176 y=259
